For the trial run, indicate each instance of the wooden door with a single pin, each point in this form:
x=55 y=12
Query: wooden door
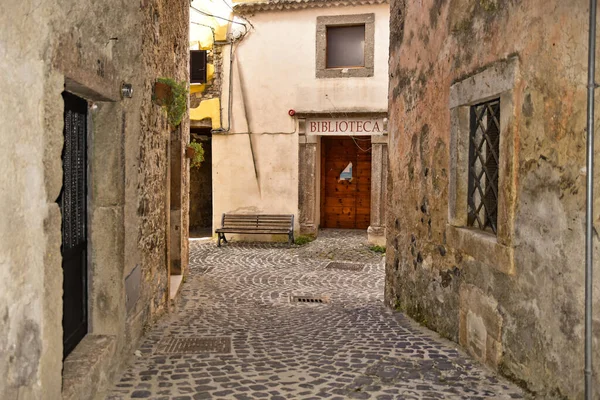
x=73 y=207
x=345 y=203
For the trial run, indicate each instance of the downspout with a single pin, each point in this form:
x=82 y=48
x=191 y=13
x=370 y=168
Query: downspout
x=589 y=200
x=230 y=90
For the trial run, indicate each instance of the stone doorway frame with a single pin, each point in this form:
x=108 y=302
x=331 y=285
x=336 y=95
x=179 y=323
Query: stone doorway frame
x=309 y=175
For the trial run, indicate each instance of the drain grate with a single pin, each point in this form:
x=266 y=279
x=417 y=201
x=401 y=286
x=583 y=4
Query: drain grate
x=194 y=345
x=345 y=266
x=309 y=299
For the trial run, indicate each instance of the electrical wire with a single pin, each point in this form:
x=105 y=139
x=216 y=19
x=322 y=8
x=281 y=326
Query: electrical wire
x=227 y=4
x=344 y=114
x=207 y=26
x=216 y=16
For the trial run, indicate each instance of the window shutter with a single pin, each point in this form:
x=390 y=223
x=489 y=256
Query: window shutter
x=197 y=66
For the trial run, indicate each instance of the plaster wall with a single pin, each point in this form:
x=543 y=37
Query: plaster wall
x=514 y=301
x=88 y=49
x=268 y=184
x=256 y=162
x=28 y=244
x=277 y=69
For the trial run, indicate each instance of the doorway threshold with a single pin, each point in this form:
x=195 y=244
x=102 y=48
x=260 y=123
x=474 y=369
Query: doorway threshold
x=174 y=284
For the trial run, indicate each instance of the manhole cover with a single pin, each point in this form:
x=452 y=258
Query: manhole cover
x=195 y=345
x=309 y=299
x=345 y=266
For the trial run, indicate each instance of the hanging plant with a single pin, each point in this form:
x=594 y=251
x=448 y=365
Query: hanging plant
x=173 y=97
x=198 y=154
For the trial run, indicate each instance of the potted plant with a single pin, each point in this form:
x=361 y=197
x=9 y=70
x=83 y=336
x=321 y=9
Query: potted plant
x=195 y=152
x=173 y=97
x=162 y=93
x=190 y=152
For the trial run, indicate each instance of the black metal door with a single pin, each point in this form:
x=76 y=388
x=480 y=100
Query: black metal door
x=73 y=201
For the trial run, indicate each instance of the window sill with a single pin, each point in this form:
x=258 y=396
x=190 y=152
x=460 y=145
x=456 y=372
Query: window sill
x=87 y=370
x=483 y=247
x=350 y=72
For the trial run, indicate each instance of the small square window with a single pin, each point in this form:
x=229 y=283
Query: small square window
x=345 y=46
x=198 y=63
x=484 y=158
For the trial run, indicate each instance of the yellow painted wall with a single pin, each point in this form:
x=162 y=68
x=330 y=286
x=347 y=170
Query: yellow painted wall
x=202 y=37
x=208 y=109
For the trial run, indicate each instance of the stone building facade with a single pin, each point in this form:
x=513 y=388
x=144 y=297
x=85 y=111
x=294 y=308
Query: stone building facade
x=135 y=195
x=287 y=115
x=512 y=293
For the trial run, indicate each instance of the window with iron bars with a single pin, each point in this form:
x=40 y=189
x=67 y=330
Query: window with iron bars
x=484 y=156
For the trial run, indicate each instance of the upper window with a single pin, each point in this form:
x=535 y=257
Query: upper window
x=197 y=66
x=484 y=158
x=345 y=46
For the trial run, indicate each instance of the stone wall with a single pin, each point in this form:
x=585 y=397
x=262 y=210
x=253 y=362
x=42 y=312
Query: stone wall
x=88 y=49
x=515 y=299
x=212 y=88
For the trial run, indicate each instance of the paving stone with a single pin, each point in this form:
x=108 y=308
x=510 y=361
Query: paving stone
x=350 y=347
x=141 y=394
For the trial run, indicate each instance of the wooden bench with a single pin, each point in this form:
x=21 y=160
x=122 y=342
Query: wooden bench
x=269 y=224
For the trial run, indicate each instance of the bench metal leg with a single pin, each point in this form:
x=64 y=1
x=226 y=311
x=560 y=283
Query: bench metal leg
x=221 y=236
x=291 y=238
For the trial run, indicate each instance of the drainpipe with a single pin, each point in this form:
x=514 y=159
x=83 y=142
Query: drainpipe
x=589 y=200
x=230 y=90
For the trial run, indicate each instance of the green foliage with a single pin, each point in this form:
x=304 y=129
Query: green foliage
x=303 y=239
x=489 y=5
x=378 y=249
x=397 y=305
x=176 y=104
x=199 y=156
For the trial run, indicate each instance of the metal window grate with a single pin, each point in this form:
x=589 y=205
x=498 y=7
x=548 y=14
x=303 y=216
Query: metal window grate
x=309 y=299
x=73 y=197
x=194 y=345
x=484 y=156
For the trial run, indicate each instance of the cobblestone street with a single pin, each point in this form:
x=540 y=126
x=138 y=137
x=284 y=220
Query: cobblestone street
x=252 y=342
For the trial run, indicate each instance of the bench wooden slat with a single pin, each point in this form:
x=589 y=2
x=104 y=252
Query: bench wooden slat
x=248 y=222
x=260 y=216
x=256 y=224
x=259 y=231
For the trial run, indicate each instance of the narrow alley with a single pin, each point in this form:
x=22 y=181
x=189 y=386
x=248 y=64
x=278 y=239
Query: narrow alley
x=237 y=335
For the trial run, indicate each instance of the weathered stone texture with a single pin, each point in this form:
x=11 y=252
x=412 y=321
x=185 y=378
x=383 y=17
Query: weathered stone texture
x=89 y=49
x=527 y=319
x=212 y=88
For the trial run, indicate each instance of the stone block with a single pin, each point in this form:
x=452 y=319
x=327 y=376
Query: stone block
x=132 y=287
x=87 y=370
x=376 y=235
x=483 y=247
x=480 y=329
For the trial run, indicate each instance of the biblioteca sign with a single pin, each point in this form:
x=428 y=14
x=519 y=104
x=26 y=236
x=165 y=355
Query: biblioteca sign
x=345 y=126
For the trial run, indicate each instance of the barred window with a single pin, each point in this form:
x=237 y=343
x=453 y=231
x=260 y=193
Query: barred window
x=484 y=156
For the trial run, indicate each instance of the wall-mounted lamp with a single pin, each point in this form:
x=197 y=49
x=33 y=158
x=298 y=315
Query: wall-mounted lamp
x=126 y=90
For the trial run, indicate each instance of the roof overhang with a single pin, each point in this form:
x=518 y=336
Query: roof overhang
x=286 y=5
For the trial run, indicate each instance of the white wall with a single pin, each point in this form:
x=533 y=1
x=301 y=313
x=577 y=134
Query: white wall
x=274 y=70
x=277 y=62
